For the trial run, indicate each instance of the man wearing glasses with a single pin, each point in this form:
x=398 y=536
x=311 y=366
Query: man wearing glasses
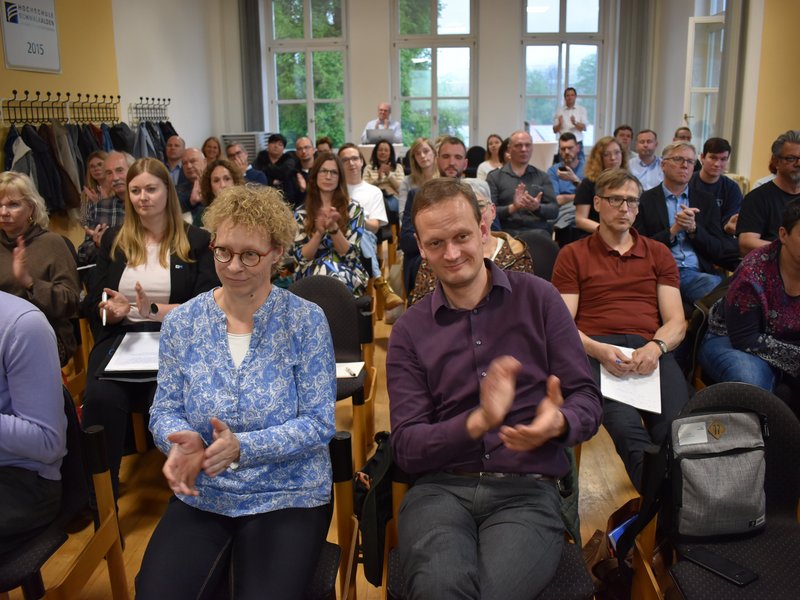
x=238 y=156
x=687 y=221
x=622 y=289
x=762 y=209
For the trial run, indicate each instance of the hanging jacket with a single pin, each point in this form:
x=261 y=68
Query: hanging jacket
x=72 y=139
x=123 y=138
x=86 y=141
x=108 y=144
x=8 y=147
x=159 y=142
x=143 y=147
x=22 y=160
x=48 y=180
x=70 y=194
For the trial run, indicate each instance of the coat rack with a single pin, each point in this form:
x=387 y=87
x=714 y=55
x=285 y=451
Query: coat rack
x=149 y=110
x=40 y=108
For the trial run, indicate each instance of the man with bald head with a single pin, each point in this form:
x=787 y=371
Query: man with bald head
x=384 y=122
x=522 y=193
x=194 y=163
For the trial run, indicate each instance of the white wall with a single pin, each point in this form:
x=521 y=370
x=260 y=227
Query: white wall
x=671 y=38
x=165 y=50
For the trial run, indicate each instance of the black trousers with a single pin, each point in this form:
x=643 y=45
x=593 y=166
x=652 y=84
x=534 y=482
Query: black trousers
x=267 y=555
x=624 y=423
x=109 y=403
x=28 y=503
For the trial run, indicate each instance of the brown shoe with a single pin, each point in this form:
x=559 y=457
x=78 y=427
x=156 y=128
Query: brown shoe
x=390 y=299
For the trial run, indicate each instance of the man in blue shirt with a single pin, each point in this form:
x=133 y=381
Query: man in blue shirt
x=686 y=220
x=565 y=177
x=646 y=166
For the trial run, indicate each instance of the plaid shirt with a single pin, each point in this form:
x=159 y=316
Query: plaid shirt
x=107 y=211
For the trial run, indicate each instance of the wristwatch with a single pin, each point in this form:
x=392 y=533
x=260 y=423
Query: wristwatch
x=153 y=309
x=662 y=345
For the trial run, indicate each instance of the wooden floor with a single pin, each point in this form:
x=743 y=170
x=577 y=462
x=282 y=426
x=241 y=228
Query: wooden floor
x=604 y=487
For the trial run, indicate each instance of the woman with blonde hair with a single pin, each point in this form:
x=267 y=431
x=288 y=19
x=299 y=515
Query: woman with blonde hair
x=146 y=268
x=35 y=264
x=422 y=158
x=96 y=186
x=606 y=154
x=211 y=149
x=244 y=412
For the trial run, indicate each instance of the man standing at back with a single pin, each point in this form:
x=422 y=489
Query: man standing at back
x=571 y=118
x=488 y=383
x=522 y=193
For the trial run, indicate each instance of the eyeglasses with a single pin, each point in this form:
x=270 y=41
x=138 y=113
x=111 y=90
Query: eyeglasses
x=328 y=172
x=679 y=160
x=233 y=155
x=249 y=258
x=791 y=160
x=350 y=159
x=616 y=201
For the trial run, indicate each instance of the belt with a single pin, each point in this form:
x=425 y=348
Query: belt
x=493 y=475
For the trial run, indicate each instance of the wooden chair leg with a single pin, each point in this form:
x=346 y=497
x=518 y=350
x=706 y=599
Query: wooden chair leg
x=139 y=432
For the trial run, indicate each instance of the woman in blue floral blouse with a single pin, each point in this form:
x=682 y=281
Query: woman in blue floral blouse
x=754 y=331
x=244 y=410
x=330 y=227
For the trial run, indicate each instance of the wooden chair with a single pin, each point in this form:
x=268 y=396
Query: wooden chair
x=85 y=454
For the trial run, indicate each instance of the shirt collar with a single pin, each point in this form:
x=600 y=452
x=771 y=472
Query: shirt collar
x=667 y=193
x=600 y=246
x=499 y=280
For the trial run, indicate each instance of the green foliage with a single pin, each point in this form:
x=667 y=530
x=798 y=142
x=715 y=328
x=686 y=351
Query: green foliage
x=287 y=18
x=415 y=17
x=586 y=82
x=326 y=18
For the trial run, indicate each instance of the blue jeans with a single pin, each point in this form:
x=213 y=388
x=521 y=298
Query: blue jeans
x=392 y=204
x=477 y=537
x=696 y=284
x=369 y=248
x=722 y=362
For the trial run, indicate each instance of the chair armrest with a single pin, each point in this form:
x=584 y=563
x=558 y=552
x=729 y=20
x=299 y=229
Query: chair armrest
x=365 y=308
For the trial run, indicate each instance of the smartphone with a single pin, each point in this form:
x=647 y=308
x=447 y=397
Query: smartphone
x=727 y=569
x=562 y=168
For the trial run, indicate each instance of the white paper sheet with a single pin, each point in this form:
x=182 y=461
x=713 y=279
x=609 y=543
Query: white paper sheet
x=138 y=351
x=640 y=391
x=348 y=370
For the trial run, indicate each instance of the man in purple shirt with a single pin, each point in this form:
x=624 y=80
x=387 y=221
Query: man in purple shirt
x=488 y=384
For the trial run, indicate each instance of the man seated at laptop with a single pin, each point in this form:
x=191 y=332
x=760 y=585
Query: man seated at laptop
x=383 y=122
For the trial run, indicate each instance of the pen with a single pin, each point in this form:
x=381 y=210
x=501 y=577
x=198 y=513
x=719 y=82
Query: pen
x=350 y=371
x=105 y=299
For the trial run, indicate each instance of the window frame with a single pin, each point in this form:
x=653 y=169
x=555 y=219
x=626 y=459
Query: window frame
x=307 y=45
x=435 y=41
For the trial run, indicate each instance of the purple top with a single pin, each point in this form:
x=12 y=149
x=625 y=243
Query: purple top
x=757 y=313
x=438 y=355
x=33 y=426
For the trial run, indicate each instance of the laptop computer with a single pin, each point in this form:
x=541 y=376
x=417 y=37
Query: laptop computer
x=379 y=135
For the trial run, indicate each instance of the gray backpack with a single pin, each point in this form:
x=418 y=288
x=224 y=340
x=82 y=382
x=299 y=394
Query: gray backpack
x=717 y=473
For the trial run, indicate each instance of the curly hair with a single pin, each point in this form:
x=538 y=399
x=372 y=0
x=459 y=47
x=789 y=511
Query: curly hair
x=205 y=178
x=255 y=207
x=594 y=164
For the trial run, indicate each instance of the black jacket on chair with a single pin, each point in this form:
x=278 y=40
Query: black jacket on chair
x=708 y=240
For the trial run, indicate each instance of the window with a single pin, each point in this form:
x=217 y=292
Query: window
x=562 y=47
x=306 y=66
x=435 y=44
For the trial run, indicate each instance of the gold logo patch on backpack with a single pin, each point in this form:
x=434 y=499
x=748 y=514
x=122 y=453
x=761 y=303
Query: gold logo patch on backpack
x=716 y=429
